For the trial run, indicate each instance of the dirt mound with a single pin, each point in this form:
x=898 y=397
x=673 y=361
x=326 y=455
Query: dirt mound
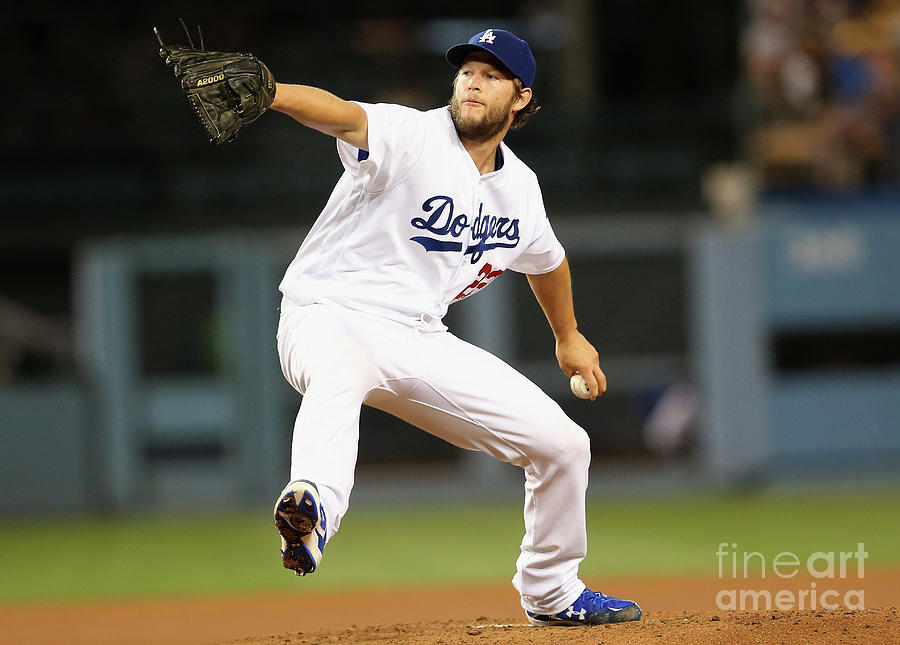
x=677 y=609
x=870 y=626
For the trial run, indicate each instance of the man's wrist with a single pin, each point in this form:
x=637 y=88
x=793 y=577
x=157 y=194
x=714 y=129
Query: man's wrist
x=565 y=335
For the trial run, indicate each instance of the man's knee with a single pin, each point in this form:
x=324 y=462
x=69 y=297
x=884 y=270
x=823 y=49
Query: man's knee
x=578 y=444
x=566 y=445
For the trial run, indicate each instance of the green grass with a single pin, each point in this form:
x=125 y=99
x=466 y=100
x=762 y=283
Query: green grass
x=238 y=552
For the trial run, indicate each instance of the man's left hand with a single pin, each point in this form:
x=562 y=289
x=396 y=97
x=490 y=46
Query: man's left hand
x=576 y=354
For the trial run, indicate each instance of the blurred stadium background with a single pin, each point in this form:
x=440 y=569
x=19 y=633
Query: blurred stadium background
x=725 y=176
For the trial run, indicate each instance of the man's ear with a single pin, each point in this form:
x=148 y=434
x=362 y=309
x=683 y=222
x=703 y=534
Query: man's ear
x=522 y=100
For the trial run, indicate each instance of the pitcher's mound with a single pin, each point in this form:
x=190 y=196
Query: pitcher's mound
x=870 y=626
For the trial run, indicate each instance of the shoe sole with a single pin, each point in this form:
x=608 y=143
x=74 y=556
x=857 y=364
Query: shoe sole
x=625 y=615
x=294 y=522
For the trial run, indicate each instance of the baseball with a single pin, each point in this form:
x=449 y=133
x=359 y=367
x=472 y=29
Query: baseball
x=579 y=387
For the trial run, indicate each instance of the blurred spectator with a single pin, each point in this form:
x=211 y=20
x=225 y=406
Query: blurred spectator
x=824 y=77
x=671 y=424
x=730 y=190
x=30 y=342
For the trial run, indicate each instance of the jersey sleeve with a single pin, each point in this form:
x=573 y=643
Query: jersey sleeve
x=544 y=252
x=396 y=137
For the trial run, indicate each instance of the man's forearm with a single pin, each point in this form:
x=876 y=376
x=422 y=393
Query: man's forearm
x=573 y=351
x=553 y=291
x=323 y=111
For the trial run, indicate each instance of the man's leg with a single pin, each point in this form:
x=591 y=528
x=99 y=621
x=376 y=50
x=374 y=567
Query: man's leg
x=474 y=400
x=323 y=356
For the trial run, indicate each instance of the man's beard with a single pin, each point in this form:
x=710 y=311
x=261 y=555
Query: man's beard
x=493 y=122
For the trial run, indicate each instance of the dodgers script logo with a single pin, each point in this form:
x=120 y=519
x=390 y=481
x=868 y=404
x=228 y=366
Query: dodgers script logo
x=488 y=231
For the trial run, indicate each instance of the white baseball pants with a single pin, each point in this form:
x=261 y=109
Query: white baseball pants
x=339 y=359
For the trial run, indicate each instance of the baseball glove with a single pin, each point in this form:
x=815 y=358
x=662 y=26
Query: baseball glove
x=227 y=90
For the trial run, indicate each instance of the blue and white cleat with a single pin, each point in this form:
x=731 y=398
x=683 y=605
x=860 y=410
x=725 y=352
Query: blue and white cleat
x=591 y=608
x=300 y=519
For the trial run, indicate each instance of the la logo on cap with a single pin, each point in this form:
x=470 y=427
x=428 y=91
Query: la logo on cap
x=487 y=37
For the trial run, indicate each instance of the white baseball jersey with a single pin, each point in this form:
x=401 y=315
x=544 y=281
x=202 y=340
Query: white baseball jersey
x=412 y=226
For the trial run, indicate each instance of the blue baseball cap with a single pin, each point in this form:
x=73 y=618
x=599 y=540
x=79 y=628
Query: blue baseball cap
x=508 y=48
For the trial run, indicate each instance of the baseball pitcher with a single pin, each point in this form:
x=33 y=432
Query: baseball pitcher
x=431 y=208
